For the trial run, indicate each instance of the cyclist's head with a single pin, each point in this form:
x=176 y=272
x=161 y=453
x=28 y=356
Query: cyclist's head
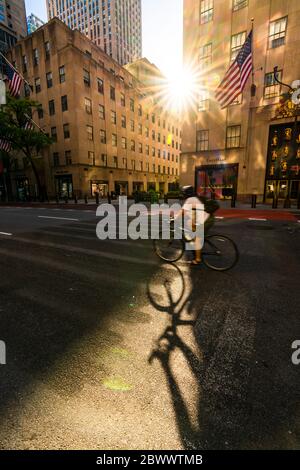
x=187 y=191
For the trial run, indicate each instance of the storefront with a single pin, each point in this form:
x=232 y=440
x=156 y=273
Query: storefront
x=121 y=188
x=22 y=188
x=283 y=164
x=64 y=186
x=99 y=187
x=221 y=179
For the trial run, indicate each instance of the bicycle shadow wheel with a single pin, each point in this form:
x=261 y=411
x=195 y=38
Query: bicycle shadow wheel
x=166 y=289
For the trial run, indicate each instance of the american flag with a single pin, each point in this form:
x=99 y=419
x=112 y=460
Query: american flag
x=29 y=125
x=5 y=145
x=14 y=80
x=237 y=75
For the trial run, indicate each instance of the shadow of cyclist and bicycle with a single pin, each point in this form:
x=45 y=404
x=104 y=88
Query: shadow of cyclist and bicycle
x=203 y=418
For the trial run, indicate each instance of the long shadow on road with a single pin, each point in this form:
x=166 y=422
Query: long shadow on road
x=235 y=332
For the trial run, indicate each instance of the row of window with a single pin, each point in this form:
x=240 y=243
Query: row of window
x=135 y=166
x=277 y=28
x=277 y=35
x=233 y=138
x=100 y=86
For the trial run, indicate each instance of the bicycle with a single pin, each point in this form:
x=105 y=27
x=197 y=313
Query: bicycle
x=219 y=252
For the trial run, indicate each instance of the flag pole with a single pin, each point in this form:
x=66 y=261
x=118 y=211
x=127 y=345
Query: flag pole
x=11 y=65
x=30 y=119
x=249 y=133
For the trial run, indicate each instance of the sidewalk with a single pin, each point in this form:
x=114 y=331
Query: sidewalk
x=241 y=211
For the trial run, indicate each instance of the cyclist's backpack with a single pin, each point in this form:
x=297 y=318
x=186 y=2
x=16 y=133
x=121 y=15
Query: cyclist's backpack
x=210 y=205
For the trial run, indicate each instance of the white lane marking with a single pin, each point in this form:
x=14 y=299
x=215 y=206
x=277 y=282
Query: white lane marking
x=6 y=234
x=56 y=218
x=258 y=220
x=219 y=218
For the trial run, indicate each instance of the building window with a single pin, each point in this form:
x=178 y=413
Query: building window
x=237 y=100
x=88 y=105
x=62 y=74
x=203 y=103
x=132 y=145
x=233 y=137
x=205 y=56
x=124 y=143
x=101 y=111
x=56 y=159
x=54 y=134
x=37 y=83
x=40 y=112
x=123 y=122
x=272 y=88
x=140 y=110
x=202 y=140
x=115 y=162
x=237 y=42
x=68 y=157
x=90 y=132
x=147 y=150
x=49 y=79
x=147 y=131
x=131 y=105
x=277 y=33
x=51 y=108
x=114 y=140
x=47 y=49
x=140 y=147
x=125 y=163
x=153 y=152
x=132 y=125
x=100 y=84
x=123 y=101
x=35 y=57
x=64 y=103
x=102 y=136
x=140 y=129
x=113 y=117
x=238 y=4
x=133 y=165
x=91 y=158
x=206 y=11
x=24 y=63
x=86 y=77
x=104 y=159
x=112 y=93
x=66 y=131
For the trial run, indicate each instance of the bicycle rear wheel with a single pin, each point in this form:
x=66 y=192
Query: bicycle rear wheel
x=220 y=253
x=169 y=250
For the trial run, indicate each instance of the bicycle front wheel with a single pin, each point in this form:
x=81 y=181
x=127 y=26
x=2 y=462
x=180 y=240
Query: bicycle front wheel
x=169 y=250
x=220 y=253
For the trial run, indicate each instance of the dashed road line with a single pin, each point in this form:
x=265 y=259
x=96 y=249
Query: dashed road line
x=57 y=218
x=257 y=220
x=6 y=234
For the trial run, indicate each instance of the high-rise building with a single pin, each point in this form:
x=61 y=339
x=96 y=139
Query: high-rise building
x=114 y=25
x=13 y=24
x=33 y=23
x=108 y=134
x=253 y=146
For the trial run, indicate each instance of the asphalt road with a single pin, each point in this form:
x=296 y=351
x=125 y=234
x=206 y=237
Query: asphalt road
x=107 y=348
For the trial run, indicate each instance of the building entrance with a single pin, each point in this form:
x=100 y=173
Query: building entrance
x=218 y=179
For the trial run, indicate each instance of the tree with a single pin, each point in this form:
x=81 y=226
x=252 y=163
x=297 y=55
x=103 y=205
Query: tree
x=14 y=117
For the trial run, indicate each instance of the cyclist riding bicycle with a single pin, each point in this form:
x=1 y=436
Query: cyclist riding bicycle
x=191 y=201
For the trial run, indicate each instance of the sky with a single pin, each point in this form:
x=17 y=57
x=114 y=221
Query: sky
x=162 y=31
